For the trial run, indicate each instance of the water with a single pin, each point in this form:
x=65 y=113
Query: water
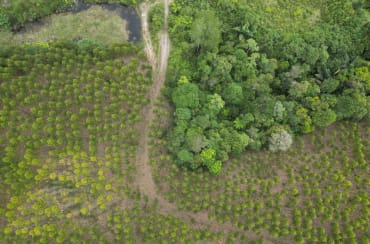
x=132 y=18
x=127 y=13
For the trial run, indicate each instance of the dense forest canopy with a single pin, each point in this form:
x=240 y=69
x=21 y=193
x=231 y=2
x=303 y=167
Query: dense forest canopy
x=248 y=75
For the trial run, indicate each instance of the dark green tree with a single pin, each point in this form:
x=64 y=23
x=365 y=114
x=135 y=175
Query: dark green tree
x=233 y=93
x=186 y=96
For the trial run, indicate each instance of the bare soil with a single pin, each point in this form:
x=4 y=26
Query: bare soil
x=144 y=178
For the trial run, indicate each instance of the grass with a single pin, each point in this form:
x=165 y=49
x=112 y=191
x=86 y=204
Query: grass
x=95 y=23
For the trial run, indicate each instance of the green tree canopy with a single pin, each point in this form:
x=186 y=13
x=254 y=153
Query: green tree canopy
x=186 y=96
x=233 y=93
x=206 y=30
x=351 y=106
x=323 y=117
x=195 y=140
x=185 y=157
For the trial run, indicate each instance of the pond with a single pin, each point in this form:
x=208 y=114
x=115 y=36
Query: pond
x=127 y=13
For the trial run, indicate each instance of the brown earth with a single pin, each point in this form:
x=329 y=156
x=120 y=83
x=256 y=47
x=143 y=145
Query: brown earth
x=144 y=176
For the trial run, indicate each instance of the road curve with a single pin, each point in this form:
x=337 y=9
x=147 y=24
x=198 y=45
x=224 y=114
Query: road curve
x=145 y=180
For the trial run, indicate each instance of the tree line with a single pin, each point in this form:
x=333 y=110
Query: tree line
x=239 y=81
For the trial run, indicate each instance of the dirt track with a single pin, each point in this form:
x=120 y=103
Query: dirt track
x=159 y=67
x=145 y=180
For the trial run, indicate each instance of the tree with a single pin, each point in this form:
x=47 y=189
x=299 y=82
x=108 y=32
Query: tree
x=279 y=111
x=234 y=142
x=252 y=45
x=186 y=96
x=329 y=85
x=214 y=104
x=301 y=121
x=255 y=142
x=185 y=157
x=240 y=143
x=233 y=93
x=351 y=106
x=280 y=140
x=268 y=65
x=182 y=114
x=243 y=121
x=201 y=121
x=206 y=30
x=221 y=70
x=208 y=156
x=195 y=140
x=208 y=159
x=322 y=118
x=298 y=90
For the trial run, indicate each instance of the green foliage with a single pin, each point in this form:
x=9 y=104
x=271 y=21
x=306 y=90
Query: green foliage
x=274 y=64
x=215 y=168
x=315 y=191
x=352 y=106
x=279 y=111
x=4 y=21
x=322 y=118
x=66 y=138
x=329 y=85
x=195 y=140
x=298 y=90
x=214 y=104
x=205 y=30
x=185 y=157
x=186 y=96
x=208 y=157
x=182 y=114
x=89 y=45
x=156 y=19
x=233 y=94
x=18 y=12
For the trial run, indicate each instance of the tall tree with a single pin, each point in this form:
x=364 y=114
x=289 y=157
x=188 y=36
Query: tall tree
x=206 y=30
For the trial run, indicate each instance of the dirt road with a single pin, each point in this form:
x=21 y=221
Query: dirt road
x=145 y=180
x=159 y=67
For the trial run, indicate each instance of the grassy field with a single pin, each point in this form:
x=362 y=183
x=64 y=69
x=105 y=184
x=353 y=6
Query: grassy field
x=95 y=23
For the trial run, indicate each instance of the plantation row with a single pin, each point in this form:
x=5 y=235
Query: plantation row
x=69 y=114
x=67 y=121
x=314 y=192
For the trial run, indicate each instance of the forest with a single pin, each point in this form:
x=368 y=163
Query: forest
x=229 y=121
x=239 y=81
